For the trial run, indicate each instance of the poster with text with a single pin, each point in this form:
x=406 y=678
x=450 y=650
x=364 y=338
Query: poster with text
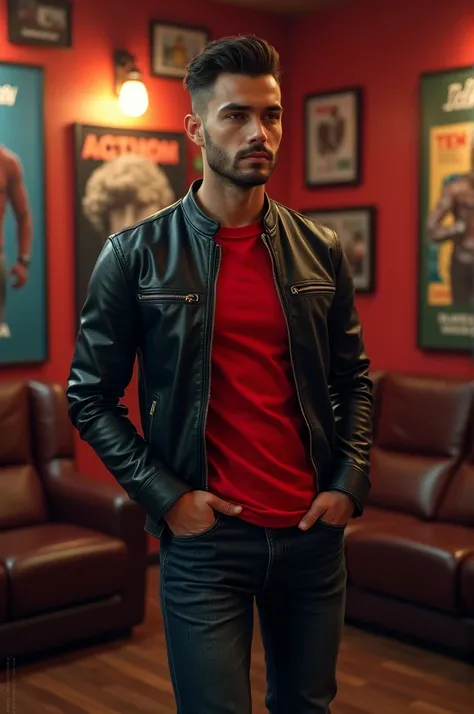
x=23 y=303
x=122 y=177
x=446 y=266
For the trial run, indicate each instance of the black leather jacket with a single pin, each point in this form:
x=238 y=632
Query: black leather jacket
x=152 y=295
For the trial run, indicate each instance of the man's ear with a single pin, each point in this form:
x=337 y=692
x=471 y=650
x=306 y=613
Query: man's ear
x=194 y=128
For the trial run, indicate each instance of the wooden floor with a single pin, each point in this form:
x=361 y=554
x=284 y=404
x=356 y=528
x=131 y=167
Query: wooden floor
x=376 y=675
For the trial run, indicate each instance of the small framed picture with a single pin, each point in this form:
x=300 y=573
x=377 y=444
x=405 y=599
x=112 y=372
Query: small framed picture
x=40 y=22
x=332 y=151
x=356 y=228
x=174 y=46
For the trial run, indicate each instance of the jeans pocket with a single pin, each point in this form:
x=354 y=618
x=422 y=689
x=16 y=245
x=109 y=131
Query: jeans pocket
x=332 y=526
x=202 y=534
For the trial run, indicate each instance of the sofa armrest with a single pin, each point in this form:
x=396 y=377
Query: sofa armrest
x=93 y=503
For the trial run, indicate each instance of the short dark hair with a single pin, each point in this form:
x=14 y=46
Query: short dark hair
x=238 y=54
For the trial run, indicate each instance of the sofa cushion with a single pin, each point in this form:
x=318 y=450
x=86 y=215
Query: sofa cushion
x=422 y=425
x=23 y=501
x=424 y=415
x=408 y=483
x=56 y=565
x=3 y=593
x=417 y=562
x=374 y=516
x=467 y=585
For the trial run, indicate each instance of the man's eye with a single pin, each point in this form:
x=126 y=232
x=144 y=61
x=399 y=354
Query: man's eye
x=273 y=116
x=236 y=116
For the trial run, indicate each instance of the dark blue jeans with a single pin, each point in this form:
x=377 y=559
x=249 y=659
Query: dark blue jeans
x=209 y=584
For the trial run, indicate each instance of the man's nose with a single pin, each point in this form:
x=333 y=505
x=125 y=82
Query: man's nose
x=257 y=131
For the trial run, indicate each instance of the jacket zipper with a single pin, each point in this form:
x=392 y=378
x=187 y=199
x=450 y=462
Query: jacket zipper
x=152 y=416
x=312 y=288
x=279 y=293
x=217 y=263
x=189 y=297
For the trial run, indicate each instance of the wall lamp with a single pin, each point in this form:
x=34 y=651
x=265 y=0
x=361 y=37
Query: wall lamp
x=129 y=86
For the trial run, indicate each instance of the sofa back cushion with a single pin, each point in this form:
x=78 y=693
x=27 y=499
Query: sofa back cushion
x=421 y=431
x=22 y=499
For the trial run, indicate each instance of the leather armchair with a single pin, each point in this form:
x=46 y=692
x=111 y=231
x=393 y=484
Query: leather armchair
x=72 y=548
x=410 y=558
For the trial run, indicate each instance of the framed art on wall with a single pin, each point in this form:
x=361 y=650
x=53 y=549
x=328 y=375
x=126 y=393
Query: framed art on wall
x=356 y=228
x=40 y=22
x=332 y=138
x=446 y=230
x=173 y=46
x=122 y=177
x=23 y=301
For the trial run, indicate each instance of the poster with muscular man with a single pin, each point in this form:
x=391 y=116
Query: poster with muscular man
x=22 y=239
x=446 y=314
x=122 y=177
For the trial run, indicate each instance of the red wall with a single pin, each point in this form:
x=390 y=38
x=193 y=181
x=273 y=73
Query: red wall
x=79 y=88
x=383 y=47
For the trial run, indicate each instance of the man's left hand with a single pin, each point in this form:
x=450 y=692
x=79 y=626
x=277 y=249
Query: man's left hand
x=333 y=507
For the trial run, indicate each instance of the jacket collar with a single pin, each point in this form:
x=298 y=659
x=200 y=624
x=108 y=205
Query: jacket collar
x=208 y=226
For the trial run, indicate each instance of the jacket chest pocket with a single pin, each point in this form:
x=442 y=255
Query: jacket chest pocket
x=168 y=297
x=313 y=288
x=169 y=318
x=311 y=298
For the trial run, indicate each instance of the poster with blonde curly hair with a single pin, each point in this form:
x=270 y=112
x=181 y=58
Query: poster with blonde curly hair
x=122 y=177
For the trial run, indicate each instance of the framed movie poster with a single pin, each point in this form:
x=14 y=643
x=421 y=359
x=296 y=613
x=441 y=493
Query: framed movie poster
x=40 y=22
x=173 y=46
x=332 y=131
x=356 y=228
x=446 y=232
x=23 y=303
x=122 y=177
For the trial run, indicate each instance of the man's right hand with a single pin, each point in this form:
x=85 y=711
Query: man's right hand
x=193 y=512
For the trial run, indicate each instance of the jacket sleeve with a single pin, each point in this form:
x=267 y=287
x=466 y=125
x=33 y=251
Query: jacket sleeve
x=101 y=369
x=351 y=390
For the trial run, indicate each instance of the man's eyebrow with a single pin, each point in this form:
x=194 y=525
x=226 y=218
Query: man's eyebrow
x=246 y=107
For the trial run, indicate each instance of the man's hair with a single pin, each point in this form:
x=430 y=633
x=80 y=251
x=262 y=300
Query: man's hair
x=238 y=54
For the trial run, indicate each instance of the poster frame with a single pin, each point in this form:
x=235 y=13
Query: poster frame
x=46 y=355
x=442 y=349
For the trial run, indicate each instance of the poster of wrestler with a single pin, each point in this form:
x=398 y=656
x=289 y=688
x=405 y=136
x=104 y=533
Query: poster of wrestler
x=23 y=320
x=356 y=229
x=446 y=264
x=332 y=138
x=122 y=177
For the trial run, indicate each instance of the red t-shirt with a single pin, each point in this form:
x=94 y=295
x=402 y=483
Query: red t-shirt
x=257 y=439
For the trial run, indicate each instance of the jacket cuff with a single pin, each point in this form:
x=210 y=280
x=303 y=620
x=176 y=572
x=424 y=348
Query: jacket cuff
x=159 y=493
x=354 y=482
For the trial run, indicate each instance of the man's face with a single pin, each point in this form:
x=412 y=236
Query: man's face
x=243 y=129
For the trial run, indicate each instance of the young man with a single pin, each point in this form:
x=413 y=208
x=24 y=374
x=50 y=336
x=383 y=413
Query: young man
x=255 y=402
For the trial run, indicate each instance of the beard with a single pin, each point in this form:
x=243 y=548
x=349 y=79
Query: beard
x=228 y=167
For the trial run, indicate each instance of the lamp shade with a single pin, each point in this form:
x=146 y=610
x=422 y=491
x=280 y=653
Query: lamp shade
x=133 y=97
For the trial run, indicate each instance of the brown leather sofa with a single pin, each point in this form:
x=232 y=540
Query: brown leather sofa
x=410 y=558
x=72 y=549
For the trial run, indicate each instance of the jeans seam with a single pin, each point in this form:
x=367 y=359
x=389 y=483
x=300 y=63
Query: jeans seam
x=170 y=649
x=275 y=673
x=270 y=559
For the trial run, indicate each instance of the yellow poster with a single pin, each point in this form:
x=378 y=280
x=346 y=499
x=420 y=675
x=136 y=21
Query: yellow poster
x=451 y=213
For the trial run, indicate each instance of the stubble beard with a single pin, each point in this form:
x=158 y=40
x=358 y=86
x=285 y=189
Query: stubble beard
x=227 y=167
